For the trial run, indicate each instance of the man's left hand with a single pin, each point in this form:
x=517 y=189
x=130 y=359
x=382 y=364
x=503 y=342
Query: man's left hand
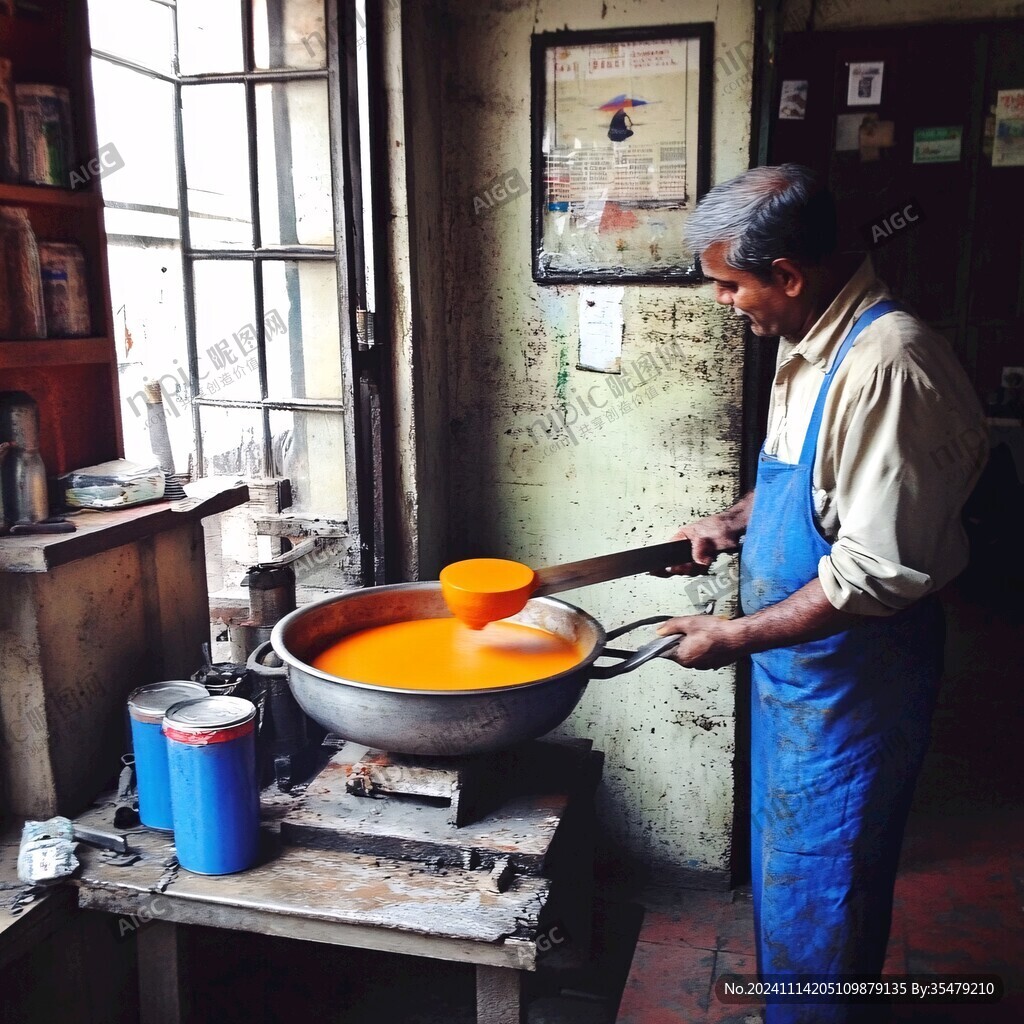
x=707 y=642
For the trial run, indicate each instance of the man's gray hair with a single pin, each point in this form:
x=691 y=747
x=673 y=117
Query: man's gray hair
x=764 y=215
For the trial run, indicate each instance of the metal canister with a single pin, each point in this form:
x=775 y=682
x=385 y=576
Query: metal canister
x=211 y=756
x=22 y=471
x=147 y=706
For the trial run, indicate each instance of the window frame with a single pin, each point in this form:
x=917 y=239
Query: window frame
x=360 y=528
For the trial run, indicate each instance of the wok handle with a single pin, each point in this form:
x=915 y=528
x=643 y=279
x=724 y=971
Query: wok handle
x=635 y=659
x=255 y=664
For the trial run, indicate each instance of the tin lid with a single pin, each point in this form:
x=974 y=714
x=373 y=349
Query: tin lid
x=150 y=703
x=209 y=714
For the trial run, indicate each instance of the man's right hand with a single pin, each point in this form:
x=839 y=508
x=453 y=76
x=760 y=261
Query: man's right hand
x=710 y=537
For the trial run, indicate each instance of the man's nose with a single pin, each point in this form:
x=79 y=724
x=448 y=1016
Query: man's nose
x=723 y=295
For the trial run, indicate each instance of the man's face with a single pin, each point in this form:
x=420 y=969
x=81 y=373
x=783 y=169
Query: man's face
x=768 y=305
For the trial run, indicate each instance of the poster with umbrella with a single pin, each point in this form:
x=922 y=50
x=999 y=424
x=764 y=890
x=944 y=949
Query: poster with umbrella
x=620 y=122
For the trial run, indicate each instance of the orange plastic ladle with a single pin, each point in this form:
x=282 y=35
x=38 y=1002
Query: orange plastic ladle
x=482 y=590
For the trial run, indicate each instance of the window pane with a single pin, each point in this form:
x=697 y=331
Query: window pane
x=294 y=164
x=225 y=330
x=217 y=166
x=289 y=34
x=135 y=223
x=138 y=30
x=209 y=36
x=300 y=302
x=135 y=116
x=309 y=449
x=149 y=330
x=232 y=442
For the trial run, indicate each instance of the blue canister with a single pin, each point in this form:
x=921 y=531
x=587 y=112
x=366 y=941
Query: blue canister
x=211 y=756
x=146 y=708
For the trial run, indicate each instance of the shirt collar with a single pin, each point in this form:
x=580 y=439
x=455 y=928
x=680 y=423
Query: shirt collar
x=820 y=343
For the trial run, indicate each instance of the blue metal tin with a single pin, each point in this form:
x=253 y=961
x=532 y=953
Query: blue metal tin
x=147 y=706
x=211 y=756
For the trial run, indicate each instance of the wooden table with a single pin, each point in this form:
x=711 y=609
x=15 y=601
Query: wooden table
x=330 y=896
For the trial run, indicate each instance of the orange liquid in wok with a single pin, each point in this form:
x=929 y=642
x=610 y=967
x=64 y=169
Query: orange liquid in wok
x=445 y=654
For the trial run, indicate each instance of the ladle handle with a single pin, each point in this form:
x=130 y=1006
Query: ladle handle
x=558 y=578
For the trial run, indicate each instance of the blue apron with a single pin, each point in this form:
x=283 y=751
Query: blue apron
x=838 y=730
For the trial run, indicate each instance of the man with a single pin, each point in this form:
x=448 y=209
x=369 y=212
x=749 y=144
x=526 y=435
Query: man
x=874 y=441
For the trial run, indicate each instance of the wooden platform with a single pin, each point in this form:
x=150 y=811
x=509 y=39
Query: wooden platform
x=513 y=805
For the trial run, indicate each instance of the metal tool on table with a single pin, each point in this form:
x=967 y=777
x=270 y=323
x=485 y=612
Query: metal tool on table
x=97 y=837
x=52 y=524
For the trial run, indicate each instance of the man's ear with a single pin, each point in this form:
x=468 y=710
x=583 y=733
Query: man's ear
x=789 y=276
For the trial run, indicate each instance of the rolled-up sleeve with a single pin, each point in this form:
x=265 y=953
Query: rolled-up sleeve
x=906 y=459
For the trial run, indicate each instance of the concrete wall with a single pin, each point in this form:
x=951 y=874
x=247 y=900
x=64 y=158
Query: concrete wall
x=668 y=733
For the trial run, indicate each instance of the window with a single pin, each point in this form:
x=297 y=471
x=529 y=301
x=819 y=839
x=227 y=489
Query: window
x=235 y=274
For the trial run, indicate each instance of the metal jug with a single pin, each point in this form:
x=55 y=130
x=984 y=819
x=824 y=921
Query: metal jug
x=22 y=472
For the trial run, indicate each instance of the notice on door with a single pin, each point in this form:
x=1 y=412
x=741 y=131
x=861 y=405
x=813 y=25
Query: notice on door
x=864 y=88
x=1008 y=145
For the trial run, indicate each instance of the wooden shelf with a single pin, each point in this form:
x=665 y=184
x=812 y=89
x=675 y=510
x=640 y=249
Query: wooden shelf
x=53 y=352
x=74 y=381
x=103 y=531
x=47 y=195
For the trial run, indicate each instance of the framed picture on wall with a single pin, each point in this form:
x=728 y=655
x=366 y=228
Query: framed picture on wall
x=621 y=151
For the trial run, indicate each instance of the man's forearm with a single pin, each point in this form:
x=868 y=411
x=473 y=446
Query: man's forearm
x=738 y=516
x=806 y=615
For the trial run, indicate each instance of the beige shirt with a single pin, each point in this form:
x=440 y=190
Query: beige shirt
x=902 y=443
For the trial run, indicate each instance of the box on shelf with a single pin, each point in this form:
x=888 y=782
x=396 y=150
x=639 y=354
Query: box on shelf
x=65 y=293
x=22 y=310
x=44 y=134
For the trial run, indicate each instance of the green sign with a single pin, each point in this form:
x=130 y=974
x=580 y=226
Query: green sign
x=937 y=145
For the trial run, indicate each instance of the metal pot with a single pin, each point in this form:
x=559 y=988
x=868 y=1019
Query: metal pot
x=438 y=722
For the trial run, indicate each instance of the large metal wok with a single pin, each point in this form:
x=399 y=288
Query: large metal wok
x=438 y=722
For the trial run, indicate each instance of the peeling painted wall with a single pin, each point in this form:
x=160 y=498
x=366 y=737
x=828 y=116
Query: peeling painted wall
x=668 y=457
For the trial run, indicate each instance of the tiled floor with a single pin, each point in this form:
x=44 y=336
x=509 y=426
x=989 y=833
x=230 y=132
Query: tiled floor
x=958 y=910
